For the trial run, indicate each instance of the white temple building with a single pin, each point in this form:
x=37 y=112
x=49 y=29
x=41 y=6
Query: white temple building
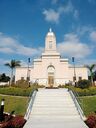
x=51 y=69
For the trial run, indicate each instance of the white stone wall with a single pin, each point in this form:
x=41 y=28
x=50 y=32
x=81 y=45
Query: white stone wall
x=62 y=74
x=80 y=72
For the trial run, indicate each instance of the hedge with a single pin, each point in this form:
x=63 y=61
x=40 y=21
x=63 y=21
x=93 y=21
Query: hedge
x=84 y=92
x=16 y=91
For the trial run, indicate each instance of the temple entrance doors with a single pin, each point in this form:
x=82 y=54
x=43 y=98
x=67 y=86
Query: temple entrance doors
x=50 y=81
x=51 y=75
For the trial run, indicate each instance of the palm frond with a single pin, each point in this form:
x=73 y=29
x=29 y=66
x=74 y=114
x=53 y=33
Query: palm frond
x=13 y=63
x=7 y=64
x=92 y=66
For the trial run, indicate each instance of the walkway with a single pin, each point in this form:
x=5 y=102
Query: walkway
x=54 y=108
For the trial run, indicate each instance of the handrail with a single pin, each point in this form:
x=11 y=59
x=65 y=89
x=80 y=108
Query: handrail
x=30 y=104
x=76 y=96
x=79 y=109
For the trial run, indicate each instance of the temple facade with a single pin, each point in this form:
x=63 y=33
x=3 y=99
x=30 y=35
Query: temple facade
x=50 y=69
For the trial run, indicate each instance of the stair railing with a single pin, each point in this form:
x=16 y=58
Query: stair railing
x=77 y=104
x=30 y=104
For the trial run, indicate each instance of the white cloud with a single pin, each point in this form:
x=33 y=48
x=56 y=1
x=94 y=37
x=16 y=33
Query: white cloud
x=93 y=36
x=67 y=8
x=82 y=30
x=71 y=46
x=52 y=15
x=24 y=63
x=86 y=61
x=1 y=33
x=11 y=45
x=3 y=61
x=6 y=50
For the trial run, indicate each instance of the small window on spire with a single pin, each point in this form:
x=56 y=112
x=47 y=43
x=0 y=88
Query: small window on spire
x=50 y=44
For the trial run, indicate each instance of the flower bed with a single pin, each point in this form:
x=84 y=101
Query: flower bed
x=12 y=121
x=91 y=121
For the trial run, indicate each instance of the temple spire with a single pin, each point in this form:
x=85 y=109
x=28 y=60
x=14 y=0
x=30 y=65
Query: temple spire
x=50 y=42
x=50 y=30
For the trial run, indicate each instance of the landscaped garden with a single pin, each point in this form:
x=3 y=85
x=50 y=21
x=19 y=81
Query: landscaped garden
x=87 y=98
x=15 y=103
x=86 y=95
x=16 y=98
x=15 y=91
x=14 y=94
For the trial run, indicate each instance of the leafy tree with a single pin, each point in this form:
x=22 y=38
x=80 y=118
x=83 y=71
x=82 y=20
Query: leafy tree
x=91 y=70
x=12 y=65
x=4 y=78
x=83 y=84
x=94 y=76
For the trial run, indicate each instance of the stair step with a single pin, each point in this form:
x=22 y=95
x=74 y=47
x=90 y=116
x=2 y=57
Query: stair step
x=54 y=108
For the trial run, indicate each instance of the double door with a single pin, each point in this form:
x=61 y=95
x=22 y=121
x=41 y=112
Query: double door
x=51 y=81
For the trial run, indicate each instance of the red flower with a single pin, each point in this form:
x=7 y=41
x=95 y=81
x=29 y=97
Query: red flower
x=91 y=121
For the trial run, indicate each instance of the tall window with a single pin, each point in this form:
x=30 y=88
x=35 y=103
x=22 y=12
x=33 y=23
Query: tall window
x=50 y=44
x=74 y=78
x=22 y=78
x=80 y=78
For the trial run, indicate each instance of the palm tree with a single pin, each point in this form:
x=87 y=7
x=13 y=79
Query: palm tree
x=91 y=70
x=12 y=65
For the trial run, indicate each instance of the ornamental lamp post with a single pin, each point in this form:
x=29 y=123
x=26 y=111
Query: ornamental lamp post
x=28 y=72
x=74 y=78
x=2 y=110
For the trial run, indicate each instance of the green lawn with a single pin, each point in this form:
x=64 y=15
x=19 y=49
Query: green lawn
x=18 y=104
x=88 y=104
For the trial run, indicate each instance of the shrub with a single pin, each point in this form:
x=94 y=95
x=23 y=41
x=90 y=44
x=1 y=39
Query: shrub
x=36 y=85
x=16 y=91
x=22 y=84
x=63 y=86
x=15 y=122
x=5 y=125
x=83 y=92
x=83 y=84
x=4 y=86
x=4 y=78
x=91 y=121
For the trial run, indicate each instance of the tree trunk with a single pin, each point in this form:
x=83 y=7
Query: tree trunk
x=11 y=77
x=91 y=79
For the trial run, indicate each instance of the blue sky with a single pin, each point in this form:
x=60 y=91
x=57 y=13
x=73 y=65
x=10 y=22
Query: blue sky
x=24 y=24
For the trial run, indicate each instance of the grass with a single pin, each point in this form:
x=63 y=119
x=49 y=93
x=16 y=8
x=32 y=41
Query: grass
x=16 y=91
x=18 y=104
x=88 y=104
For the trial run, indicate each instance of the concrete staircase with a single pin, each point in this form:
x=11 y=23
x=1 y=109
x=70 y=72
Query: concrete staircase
x=54 y=108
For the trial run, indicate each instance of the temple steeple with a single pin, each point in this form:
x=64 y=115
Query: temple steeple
x=50 y=42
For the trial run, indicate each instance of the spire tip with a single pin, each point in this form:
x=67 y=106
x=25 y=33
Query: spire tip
x=50 y=30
